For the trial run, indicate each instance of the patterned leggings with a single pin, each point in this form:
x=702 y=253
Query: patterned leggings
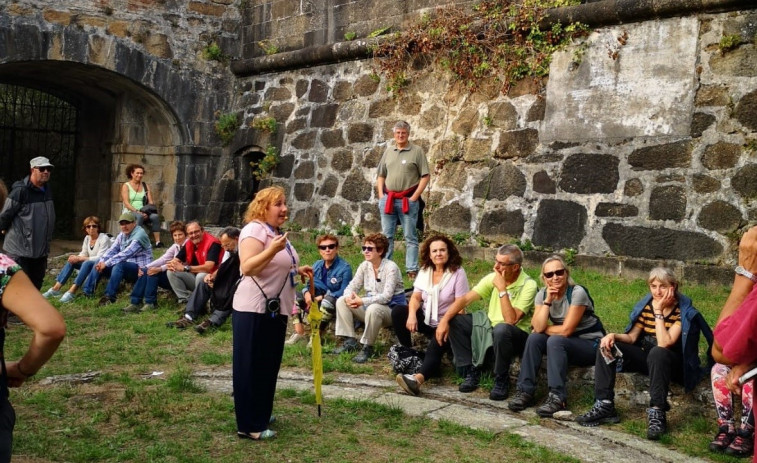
x=724 y=399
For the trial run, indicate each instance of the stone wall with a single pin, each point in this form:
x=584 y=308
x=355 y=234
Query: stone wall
x=642 y=150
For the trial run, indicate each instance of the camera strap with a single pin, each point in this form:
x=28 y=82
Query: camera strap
x=263 y=292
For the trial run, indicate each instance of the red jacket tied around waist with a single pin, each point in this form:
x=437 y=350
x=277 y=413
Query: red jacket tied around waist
x=403 y=195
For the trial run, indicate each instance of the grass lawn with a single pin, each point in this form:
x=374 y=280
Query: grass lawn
x=129 y=414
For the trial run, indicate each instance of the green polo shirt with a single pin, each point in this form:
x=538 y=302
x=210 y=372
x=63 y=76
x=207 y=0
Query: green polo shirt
x=403 y=168
x=522 y=293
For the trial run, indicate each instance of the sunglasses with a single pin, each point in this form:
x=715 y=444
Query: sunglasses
x=92 y=226
x=558 y=273
x=44 y=169
x=324 y=247
x=368 y=248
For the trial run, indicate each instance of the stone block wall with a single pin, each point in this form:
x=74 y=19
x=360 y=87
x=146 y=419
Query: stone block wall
x=647 y=155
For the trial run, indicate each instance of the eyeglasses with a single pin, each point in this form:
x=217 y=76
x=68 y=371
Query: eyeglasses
x=368 y=248
x=503 y=264
x=324 y=247
x=92 y=226
x=44 y=169
x=558 y=273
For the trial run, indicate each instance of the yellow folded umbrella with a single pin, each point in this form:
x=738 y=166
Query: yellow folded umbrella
x=314 y=317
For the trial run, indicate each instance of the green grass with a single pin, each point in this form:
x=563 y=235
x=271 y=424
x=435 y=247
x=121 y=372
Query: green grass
x=128 y=414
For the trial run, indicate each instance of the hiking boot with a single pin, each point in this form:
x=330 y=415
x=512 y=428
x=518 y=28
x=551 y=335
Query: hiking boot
x=159 y=245
x=204 y=326
x=552 y=405
x=181 y=323
x=51 y=293
x=349 y=345
x=722 y=439
x=521 y=401
x=131 y=308
x=657 y=423
x=295 y=338
x=409 y=384
x=147 y=307
x=742 y=445
x=105 y=300
x=501 y=388
x=602 y=412
x=68 y=297
x=471 y=381
x=364 y=355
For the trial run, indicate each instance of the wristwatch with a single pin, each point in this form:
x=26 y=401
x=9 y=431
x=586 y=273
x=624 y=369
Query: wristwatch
x=503 y=294
x=745 y=273
x=187 y=268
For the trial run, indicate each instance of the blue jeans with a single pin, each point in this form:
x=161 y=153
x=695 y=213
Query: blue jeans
x=67 y=271
x=91 y=279
x=147 y=287
x=409 y=222
x=120 y=271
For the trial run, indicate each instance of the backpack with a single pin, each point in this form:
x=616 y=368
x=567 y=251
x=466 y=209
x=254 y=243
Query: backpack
x=405 y=360
x=227 y=279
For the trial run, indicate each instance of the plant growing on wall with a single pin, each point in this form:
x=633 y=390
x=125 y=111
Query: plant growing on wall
x=269 y=161
x=268 y=47
x=728 y=43
x=266 y=124
x=212 y=52
x=498 y=40
x=226 y=126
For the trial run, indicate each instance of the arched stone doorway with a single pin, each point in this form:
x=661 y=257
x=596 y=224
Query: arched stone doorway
x=118 y=122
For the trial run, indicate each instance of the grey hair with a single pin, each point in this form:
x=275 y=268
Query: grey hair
x=512 y=251
x=401 y=125
x=664 y=275
x=231 y=232
x=556 y=257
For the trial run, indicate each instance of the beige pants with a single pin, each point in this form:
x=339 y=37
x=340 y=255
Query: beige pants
x=375 y=316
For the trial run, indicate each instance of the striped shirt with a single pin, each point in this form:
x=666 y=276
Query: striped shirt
x=646 y=319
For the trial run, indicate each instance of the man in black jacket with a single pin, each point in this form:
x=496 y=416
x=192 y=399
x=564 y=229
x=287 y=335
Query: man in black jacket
x=27 y=220
x=217 y=287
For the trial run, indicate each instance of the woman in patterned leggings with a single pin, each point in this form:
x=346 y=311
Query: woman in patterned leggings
x=736 y=442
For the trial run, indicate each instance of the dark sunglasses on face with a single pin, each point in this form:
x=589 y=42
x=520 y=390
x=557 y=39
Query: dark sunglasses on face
x=368 y=248
x=44 y=169
x=559 y=273
x=324 y=247
x=92 y=226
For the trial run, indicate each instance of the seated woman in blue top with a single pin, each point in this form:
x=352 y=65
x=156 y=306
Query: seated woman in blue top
x=565 y=328
x=659 y=341
x=381 y=279
x=331 y=275
x=94 y=246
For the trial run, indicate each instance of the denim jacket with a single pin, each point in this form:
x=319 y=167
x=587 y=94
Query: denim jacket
x=337 y=277
x=692 y=323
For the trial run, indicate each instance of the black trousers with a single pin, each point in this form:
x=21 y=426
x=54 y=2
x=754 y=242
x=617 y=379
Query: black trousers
x=432 y=362
x=508 y=342
x=661 y=364
x=34 y=268
x=258 y=346
x=7 y=422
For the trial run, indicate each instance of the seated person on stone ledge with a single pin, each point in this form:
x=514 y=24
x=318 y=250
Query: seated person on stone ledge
x=566 y=329
x=199 y=256
x=331 y=275
x=155 y=274
x=382 y=281
x=509 y=296
x=217 y=288
x=440 y=283
x=662 y=341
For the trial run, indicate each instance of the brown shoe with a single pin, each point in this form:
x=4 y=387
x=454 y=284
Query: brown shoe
x=181 y=323
x=203 y=327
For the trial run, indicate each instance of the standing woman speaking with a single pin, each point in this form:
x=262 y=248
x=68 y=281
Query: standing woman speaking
x=262 y=302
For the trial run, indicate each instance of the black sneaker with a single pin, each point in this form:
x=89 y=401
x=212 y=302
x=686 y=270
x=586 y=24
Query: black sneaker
x=521 y=401
x=552 y=405
x=657 y=423
x=601 y=413
x=364 y=355
x=742 y=445
x=722 y=439
x=409 y=384
x=471 y=381
x=159 y=244
x=501 y=388
x=105 y=300
x=349 y=345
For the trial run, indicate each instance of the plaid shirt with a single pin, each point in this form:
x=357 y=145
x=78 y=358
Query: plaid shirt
x=134 y=252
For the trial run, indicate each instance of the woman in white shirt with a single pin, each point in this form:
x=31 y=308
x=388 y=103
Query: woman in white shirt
x=94 y=246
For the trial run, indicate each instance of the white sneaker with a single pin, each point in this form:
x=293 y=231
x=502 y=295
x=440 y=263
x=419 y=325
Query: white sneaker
x=68 y=297
x=51 y=293
x=294 y=338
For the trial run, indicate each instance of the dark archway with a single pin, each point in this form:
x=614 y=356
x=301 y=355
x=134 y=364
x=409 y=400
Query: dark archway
x=117 y=122
x=236 y=188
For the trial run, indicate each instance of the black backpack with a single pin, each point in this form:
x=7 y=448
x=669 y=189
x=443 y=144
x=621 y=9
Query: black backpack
x=227 y=279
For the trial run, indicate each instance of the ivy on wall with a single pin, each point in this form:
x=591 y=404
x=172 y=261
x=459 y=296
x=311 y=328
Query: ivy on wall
x=497 y=40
